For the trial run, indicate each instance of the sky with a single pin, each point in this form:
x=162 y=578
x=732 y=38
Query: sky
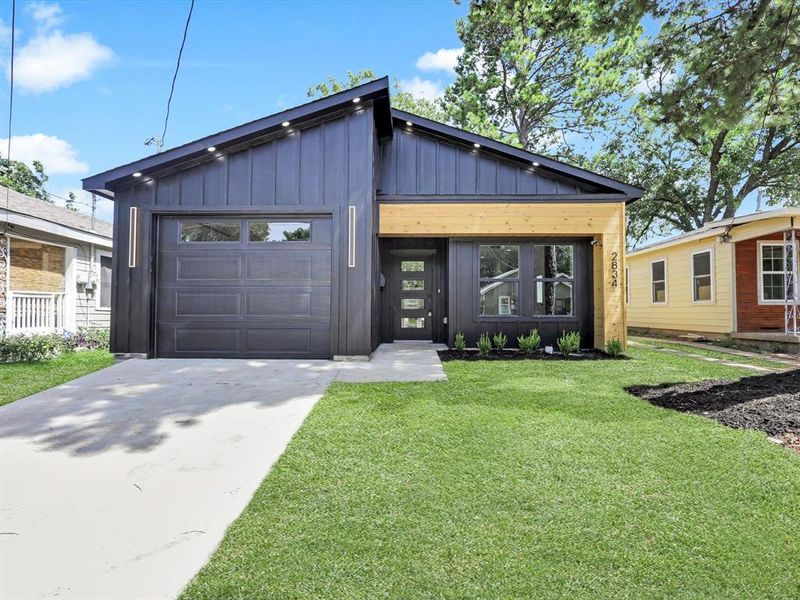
x=92 y=78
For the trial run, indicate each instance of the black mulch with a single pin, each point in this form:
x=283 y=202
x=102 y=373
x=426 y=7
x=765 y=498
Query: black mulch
x=511 y=354
x=769 y=403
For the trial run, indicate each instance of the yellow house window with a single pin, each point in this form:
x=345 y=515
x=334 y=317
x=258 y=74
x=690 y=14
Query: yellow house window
x=658 y=274
x=702 y=276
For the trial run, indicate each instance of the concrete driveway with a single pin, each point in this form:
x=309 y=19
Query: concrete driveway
x=120 y=484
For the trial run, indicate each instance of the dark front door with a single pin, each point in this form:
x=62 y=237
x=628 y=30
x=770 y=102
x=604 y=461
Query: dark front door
x=412 y=295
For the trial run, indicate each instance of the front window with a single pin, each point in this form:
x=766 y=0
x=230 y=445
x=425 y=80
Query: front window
x=499 y=279
x=104 y=291
x=701 y=276
x=554 y=274
x=776 y=264
x=658 y=273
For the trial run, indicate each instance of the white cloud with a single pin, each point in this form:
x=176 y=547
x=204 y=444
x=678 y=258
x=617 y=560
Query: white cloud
x=421 y=88
x=56 y=60
x=653 y=82
x=444 y=59
x=47 y=15
x=57 y=155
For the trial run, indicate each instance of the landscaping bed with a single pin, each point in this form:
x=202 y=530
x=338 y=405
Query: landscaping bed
x=769 y=403
x=451 y=354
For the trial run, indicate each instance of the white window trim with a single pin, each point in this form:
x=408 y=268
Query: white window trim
x=666 y=281
x=97 y=255
x=760 y=261
x=712 y=272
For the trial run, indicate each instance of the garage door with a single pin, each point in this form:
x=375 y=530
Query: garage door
x=243 y=288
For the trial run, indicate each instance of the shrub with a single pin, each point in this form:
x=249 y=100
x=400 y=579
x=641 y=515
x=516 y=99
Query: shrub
x=614 y=347
x=30 y=347
x=569 y=343
x=529 y=343
x=460 y=343
x=500 y=340
x=484 y=344
x=92 y=338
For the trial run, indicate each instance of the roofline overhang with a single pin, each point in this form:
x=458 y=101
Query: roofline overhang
x=713 y=229
x=631 y=192
x=376 y=91
x=17 y=219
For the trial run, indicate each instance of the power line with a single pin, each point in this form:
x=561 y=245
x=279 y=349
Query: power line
x=160 y=143
x=10 y=102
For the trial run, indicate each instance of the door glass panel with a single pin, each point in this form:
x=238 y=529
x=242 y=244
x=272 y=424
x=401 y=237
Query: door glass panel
x=412 y=322
x=210 y=232
x=272 y=231
x=413 y=284
x=412 y=303
x=411 y=266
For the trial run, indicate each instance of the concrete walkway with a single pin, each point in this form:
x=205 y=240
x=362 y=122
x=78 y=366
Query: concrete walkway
x=121 y=484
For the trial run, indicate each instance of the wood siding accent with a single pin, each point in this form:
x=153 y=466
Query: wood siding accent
x=680 y=312
x=604 y=222
x=750 y=315
x=414 y=163
x=319 y=169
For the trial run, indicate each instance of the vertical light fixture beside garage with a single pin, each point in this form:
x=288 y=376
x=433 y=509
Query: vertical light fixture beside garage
x=351 y=236
x=133 y=236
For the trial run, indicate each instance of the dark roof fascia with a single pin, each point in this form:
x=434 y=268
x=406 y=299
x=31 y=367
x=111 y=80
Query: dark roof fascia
x=631 y=192
x=502 y=199
x=103 y=183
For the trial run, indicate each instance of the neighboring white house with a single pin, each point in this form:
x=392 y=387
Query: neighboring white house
x=55 y=267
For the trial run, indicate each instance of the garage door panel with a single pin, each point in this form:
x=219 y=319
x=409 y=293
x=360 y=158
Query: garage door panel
x=207 y=304
x=243 y=299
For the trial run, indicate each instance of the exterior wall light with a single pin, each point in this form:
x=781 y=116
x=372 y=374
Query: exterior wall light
x=133 y=236
x=212 y=148
x=285 y=124
x=477 y=145
x=137 y=174
x=356 y=100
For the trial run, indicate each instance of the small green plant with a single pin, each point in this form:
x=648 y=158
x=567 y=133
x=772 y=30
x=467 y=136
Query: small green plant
x=569 y=343
x=614 y=348
x=529 y=343
x=484 y=344
x=30 y=347
x=460 y=342
x=499 y=340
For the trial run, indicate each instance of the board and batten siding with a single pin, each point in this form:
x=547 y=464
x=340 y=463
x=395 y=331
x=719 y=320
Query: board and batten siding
x=414 y=163
x=603 y=222
x=320 y=169
x=680 y=312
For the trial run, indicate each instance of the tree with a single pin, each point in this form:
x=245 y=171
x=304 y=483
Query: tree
x=69 y=203
x=533 y=71
x=720 y=118
x=430 y=109
x=18 y=176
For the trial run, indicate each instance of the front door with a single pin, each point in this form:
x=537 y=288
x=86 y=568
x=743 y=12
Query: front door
x=412 y=287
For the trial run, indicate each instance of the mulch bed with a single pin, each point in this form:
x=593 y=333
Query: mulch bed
x=512 y=354
x=769 y=403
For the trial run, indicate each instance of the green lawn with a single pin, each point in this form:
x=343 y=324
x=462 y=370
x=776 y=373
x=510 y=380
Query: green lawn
x=719 y=354
x=18 y=380
x=518 y=480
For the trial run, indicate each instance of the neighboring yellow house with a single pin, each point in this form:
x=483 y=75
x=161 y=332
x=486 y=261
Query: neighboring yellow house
x=730 y=278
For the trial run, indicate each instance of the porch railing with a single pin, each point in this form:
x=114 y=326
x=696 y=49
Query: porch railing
x=35 y=312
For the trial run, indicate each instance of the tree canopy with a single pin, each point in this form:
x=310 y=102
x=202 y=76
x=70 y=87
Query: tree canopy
x=20 y=177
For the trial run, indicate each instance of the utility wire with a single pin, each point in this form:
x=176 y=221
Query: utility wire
x=175 y=76
x=10 y=104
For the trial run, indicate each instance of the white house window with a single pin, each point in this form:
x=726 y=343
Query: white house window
x=774 y=265
x=658 y=275
x=104 y=281
x=702 y=276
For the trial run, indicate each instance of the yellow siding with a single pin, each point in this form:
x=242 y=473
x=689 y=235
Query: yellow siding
x=680 y=312
x=605 y=222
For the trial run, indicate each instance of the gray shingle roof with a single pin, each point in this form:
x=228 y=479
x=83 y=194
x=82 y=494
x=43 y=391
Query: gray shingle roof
x=26 y=205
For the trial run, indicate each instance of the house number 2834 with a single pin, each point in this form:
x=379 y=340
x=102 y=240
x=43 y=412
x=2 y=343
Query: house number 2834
x=614 y=269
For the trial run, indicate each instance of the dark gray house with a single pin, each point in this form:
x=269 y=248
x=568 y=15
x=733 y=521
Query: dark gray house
x=326 y=229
